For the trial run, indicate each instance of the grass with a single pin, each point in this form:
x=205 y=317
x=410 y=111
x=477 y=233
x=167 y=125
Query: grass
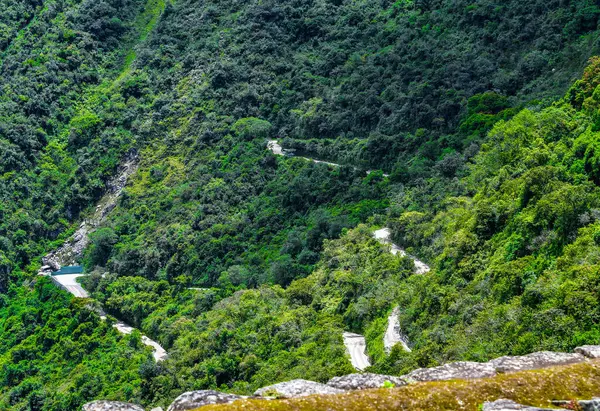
x=144 y=24
x=536 y=388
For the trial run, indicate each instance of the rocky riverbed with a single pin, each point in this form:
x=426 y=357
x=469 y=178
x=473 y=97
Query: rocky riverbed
x=72 y=249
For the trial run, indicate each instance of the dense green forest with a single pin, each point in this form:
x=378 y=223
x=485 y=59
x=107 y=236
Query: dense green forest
x=56 y=353
x=248 y=266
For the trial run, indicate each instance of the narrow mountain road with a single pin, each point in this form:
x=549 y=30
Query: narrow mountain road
x=355 y=343
x=393 y=334
x=384 y=235
x=356 y=346
x=159 y=352
x=72 y=249
x=322 y=162
x=277 y=149
x=69 y=283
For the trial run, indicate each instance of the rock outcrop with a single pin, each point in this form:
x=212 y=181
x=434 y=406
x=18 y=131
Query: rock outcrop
x=535 y=360
x=365 y=381
x=508 y=405
x=583 y=405
x=589 y=351
x=110 y=406
x=295 y=388
x=462 y=370
x=361 y=381
x=73 y=248
x=194 y=399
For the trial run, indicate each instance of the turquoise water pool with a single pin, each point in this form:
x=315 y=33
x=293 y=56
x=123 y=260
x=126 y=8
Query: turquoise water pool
x=69 y=269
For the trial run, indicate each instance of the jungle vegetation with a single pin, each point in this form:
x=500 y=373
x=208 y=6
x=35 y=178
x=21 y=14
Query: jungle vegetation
x=247 y=266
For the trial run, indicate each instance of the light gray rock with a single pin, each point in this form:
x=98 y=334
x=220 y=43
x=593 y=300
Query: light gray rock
x=590 y=405
x=535 y=360
x=194 y=399
x=508 y=405
x=364 y=381
x=469 y=370
x=51 y=262
x=110 y=406
x=584 y=405
x=45 y=270
x=72 y=249
x=157 y=409
x=590 y=351
x=455 y=370
x=296 y=388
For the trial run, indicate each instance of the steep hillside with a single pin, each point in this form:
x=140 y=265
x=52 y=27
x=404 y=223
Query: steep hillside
x=516 y=259
x=57 y=58
x=513 y=262
x=248 y=266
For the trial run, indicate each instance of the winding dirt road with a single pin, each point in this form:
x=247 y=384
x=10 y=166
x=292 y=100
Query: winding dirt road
x=355 y=343
x=393 y=334
x=159 y=352
x=384 y=235
x=356 y=347
x=69 y=283
x=277 y=149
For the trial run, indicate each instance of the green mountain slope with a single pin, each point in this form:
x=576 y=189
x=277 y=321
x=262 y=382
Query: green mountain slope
x=195 y=90
x=513 y=272
x=517 y=268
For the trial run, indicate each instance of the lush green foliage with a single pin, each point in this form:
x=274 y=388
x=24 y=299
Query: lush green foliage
x=56 y=354
x=195 y=90
x=514 y=264
x=54 y=154
x=516 y=261
x=255 y=337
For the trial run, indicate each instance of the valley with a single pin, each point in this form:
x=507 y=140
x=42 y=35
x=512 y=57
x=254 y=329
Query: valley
x=354 y=202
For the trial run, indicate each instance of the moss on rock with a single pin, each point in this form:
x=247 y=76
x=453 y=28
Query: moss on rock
x=536 y=387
